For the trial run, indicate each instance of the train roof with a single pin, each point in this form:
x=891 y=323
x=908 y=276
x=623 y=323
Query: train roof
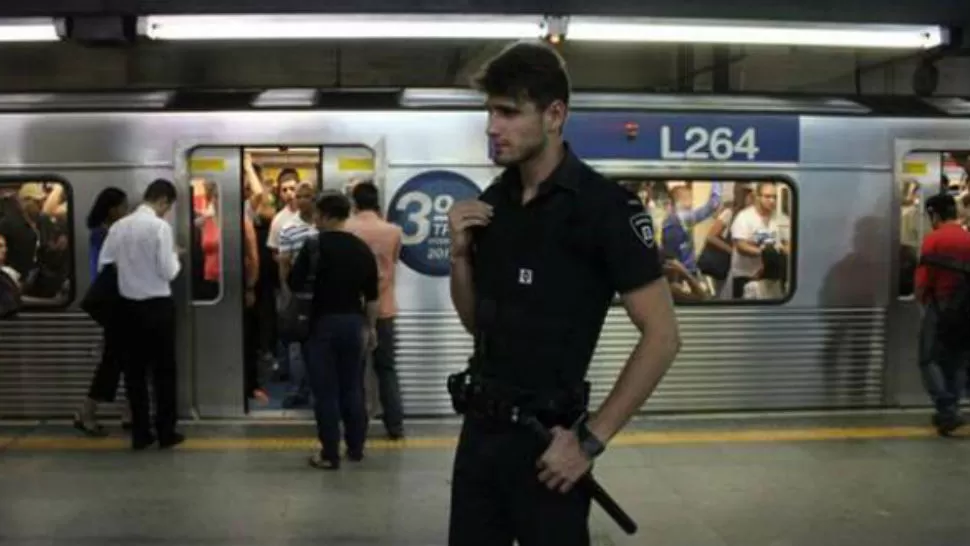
x=308 y=99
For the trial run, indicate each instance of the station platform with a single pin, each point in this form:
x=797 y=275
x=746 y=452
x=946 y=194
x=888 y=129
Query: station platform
x=795 y=479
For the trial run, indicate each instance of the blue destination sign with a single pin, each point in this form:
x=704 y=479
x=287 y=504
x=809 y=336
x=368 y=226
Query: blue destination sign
x=684 y=137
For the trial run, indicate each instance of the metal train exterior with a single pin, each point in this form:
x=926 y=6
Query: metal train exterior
x=842 y=338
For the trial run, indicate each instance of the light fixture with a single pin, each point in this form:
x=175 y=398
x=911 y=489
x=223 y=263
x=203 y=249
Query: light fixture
x=28 y=30
x=601 y=29
x=342 y=27
x=418 y=97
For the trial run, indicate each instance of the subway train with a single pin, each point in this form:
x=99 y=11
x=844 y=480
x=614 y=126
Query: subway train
x=838 y=331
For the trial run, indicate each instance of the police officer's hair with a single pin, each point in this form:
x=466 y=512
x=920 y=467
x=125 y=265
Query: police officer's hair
x=942 y=205
x=365 y=196
x=160 y=189
x=333 y=205
x=530 y=70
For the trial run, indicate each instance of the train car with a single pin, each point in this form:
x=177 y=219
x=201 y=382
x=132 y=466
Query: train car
x=837 y=330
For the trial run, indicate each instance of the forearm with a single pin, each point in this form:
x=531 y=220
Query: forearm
x=645 y=368
x=463 y=293
x=371 y=311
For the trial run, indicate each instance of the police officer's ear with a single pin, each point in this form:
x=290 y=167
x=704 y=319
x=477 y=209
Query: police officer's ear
x=555 y=116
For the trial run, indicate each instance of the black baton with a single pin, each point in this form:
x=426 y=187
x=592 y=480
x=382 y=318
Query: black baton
x=589 y=483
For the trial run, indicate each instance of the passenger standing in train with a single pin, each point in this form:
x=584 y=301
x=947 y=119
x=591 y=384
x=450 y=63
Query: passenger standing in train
x=292 y=238
x=758 y=238
x=943 y=357
x=287 y=182
x=683 y=217
x=110 y=206
x=28 y=234
x=536 y=262
x=343 y=325
x=384 y=240
x=142 y=248
x=253 y=379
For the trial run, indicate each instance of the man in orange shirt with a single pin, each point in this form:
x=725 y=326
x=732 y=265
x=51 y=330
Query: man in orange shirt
x=943 y=349
x=384 y=240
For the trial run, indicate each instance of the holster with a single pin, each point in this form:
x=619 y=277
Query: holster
x=474 y=396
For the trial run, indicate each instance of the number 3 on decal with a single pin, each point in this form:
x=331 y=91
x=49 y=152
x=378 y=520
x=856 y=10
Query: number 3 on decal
x=419 y=217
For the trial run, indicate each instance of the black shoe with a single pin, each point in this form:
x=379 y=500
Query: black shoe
x=142 y=444
x=946 y=425
x=171 y=441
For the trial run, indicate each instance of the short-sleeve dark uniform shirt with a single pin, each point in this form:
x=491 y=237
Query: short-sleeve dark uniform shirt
x=546 y=272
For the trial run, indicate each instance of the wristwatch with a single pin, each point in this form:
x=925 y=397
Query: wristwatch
x=588 y=442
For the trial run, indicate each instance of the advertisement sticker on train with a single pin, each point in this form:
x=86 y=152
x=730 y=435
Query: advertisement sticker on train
x=421 y=208
x=685 y=137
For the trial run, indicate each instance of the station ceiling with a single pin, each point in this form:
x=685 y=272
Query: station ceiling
x=954 y=12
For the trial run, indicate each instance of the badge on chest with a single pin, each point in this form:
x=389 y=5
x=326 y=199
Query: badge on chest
x=525 y=276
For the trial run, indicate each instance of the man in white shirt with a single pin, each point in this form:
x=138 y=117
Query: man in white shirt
x=757 y=233
x=292 y=237
x=289 y=179
x=142 y=249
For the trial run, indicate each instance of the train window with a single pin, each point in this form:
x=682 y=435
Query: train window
x=921 y=175
x=206 y=240
x=722 y=241
x=36 y=244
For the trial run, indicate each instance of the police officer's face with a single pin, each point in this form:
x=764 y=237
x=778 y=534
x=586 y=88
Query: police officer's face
x=519 y=130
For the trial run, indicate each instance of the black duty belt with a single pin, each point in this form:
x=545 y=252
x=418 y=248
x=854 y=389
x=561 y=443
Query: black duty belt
x=473 y=396
x=494 y=401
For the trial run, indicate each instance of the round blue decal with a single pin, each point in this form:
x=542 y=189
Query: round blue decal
x=421 y=208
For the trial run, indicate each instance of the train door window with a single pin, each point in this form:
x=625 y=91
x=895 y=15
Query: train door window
x=723 y=241
x=206 y=240
x=36 y=245
x=921 y=175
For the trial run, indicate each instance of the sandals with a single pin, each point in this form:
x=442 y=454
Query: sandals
x=317 y=461
x=93 y=430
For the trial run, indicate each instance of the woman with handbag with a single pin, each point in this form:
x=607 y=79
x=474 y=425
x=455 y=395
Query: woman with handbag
x=110 y=206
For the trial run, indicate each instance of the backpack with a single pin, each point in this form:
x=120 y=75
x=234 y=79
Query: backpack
x=953 y=314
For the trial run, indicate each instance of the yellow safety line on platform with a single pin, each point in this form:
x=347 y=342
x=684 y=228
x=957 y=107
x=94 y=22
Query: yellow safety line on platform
x=631 y=439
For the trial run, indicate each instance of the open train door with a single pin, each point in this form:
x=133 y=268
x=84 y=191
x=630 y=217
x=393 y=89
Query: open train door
x=922 y=168
x=215 y=178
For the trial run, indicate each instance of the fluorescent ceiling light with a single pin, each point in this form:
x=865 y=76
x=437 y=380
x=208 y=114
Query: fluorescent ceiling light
x=28 y=30
x=755 y=33
x=345 y=27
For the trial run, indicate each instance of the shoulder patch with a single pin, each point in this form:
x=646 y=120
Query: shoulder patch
x=642 y=225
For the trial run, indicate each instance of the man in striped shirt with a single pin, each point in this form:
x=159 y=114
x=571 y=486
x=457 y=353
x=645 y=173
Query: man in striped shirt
x=292 y=237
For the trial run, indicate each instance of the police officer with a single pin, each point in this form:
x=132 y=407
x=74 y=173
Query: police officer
x=536 y=263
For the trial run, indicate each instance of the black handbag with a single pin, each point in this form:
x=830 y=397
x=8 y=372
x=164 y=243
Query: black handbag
x=10 y=301
x=103 y=298
x=714 y=262
x=296 y=315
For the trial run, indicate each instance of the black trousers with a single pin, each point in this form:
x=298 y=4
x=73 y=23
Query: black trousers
x=149 y=348
x=496 y=495
x=251 y=378
x=104 y=384
x=388 y=385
